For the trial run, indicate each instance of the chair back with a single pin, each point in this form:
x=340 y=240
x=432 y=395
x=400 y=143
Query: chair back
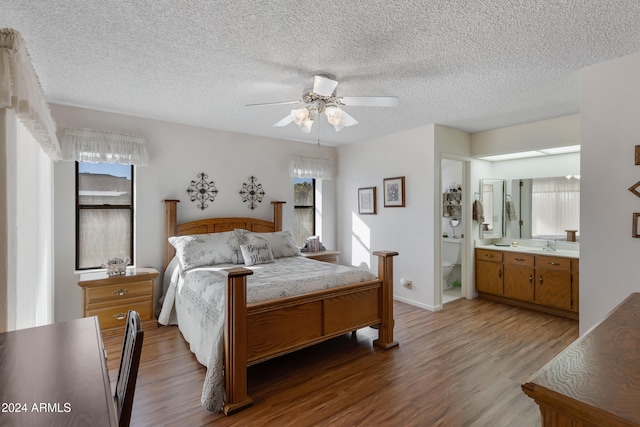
x=128 y=371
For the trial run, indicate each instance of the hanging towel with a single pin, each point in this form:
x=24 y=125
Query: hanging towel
x=478 y=211
x=511 y=211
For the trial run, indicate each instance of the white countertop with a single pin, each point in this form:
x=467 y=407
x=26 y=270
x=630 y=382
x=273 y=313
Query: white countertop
x=536 y=250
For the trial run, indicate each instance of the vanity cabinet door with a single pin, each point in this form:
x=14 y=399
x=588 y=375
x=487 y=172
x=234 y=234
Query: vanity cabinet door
x=553 y=286
x=489 y=272
x=519 y=276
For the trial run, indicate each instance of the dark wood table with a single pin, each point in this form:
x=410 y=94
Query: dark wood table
x=55 y=375
x=595 y=381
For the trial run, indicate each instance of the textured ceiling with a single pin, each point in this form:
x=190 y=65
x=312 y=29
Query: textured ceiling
x=471 y=65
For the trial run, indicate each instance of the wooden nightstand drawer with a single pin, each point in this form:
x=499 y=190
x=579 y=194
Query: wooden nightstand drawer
x=111 y=297
x=119 y=291
x=116 y=316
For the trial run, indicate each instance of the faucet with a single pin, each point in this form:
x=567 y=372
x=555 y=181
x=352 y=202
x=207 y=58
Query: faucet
x=548 y=246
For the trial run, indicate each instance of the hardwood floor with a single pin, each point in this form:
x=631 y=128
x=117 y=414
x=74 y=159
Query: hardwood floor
x=462 y=366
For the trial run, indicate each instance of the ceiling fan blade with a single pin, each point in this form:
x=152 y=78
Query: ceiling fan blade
x=288 y=119
x=323 y=86
x=370 y=101
x=274 y=103
x=348 y=120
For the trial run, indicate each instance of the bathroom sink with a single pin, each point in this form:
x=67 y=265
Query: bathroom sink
x=558 y=252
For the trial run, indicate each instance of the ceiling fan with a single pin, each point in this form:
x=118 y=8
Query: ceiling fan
x=322 y=98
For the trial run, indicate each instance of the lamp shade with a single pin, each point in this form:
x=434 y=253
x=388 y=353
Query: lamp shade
x=335 y=117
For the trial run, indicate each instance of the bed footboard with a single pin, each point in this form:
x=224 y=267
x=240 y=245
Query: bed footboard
x=262 y=331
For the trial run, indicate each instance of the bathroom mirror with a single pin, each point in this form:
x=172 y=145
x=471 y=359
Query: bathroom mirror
x=543 y=208
x=491 y=199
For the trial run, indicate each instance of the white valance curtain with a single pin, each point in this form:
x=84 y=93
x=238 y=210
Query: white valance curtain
x=20 y=90
x=87 y=145
x=310 y=167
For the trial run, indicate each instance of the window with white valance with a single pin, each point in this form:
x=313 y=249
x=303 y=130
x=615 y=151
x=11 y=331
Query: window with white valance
x=21 y=92
x=310 y=167
x=88 y=145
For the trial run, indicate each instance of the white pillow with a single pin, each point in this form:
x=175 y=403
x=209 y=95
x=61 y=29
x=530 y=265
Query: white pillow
x=198 y=250
x=257 y=254
x=281 y=242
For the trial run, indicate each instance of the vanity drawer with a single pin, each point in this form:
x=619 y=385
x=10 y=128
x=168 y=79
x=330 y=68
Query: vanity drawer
x=517 y=258
x=553 y=263
x=488 y=255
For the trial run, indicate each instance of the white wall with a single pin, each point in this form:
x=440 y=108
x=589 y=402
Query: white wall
x=176 y=154
x=610 y=129
x=408 y=230
x=413 y=231
x=557 y=132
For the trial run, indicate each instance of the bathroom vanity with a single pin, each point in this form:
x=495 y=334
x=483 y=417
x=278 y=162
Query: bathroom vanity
x=529 y=277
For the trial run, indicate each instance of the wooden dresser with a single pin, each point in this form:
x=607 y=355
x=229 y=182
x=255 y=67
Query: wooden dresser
x=596 y=380
x=111 y=297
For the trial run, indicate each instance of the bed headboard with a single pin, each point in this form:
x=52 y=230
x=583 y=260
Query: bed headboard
x=213 y=225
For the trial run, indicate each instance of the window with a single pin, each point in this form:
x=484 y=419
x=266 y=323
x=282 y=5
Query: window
x=304 y=213
x=555 y=207
x=104 y=213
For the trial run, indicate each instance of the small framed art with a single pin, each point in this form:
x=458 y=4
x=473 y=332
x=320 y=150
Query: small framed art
x=637 y=148
x=635 y=226
x=367 y=201
x=394 y=192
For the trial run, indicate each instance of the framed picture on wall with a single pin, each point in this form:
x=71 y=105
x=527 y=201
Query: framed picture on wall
x=394 y=192
x=634 y=227
x=367 y=201
x=637 y=148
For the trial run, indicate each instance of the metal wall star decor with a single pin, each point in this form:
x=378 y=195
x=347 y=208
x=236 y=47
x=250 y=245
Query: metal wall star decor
x=202 y=191
x=252 y=192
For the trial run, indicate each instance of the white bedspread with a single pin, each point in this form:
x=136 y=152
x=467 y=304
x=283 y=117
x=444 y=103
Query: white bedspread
x=194 y=300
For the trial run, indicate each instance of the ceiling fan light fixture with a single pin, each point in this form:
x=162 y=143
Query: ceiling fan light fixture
x=299 y=115
x=303 y=118
x=322 y=98
x=306 y=124
x=335 y=117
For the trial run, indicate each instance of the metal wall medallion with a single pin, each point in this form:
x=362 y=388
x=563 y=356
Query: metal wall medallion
x=202 y=191
x=252 y=192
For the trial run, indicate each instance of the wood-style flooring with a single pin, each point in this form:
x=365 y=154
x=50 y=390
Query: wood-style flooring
x=461 y=366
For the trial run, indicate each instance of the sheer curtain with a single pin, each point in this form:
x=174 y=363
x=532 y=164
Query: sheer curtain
x=88 y=145
x=555 y=207
x=20 y=91
x=310 y=167
x=34 y=224
x=28 y=144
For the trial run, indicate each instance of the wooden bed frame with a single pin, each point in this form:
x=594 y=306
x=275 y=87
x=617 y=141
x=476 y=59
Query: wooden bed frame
x=260 y=331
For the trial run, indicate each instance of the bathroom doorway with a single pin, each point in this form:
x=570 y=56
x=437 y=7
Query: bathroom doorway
x=452 y=229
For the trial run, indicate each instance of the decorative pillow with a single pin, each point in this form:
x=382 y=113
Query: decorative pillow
x=281 y=242
x=257 y=254
x=198 y=250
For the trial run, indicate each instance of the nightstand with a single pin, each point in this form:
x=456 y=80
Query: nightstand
x=111 y=297
x=325 y=256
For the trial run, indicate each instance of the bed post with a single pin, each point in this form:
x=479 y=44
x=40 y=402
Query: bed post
x=277 y=215
x=235 y=341
x=170 y=217
x=385 y=273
